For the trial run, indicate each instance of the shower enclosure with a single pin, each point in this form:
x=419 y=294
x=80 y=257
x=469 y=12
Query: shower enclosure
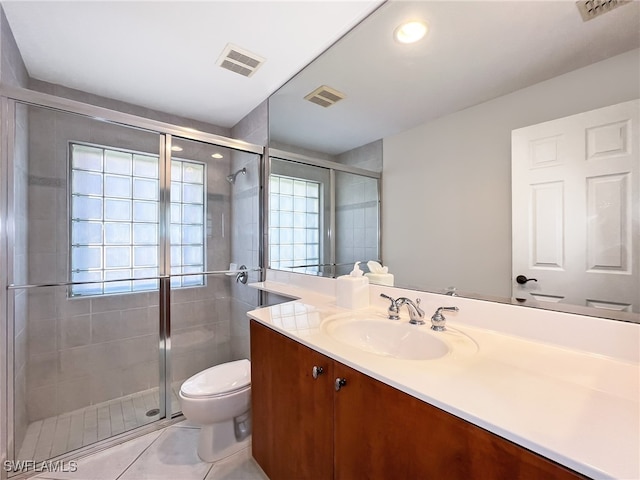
x=118 y=238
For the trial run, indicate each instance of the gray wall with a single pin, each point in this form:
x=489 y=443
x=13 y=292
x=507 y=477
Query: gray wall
x=447 y=183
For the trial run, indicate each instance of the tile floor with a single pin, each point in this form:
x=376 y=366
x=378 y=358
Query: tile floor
x=68 y=431
x=167 y=454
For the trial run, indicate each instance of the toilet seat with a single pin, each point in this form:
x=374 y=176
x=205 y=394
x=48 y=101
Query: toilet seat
x=219 y=380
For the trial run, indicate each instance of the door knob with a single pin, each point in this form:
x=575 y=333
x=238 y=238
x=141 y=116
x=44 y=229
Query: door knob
x=317 y=371
x=340 y=382
x=521 y=279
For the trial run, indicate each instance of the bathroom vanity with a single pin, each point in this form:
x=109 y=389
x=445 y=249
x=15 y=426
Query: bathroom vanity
x=515 y=407
x=306 y=426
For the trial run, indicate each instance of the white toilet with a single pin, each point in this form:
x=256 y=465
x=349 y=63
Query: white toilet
x=219 y=400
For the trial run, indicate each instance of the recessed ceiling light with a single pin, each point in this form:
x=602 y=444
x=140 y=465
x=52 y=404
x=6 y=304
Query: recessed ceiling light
x=217 y=155
x=176 y=148
x=410 y=32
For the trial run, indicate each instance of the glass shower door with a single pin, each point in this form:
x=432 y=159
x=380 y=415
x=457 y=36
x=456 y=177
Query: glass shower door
x=213 y=229
x=357 y=211
x=84 y=280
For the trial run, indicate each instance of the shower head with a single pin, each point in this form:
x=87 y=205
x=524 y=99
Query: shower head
x=232 y=178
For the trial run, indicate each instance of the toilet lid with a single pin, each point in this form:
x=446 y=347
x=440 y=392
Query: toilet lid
x=221 y=379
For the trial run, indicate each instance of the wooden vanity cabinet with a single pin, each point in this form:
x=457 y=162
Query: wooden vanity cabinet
x=292 y=413
x=383 y=433
x=304 y=429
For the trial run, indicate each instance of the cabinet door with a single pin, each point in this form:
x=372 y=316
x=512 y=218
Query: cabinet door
x=292 y=411
x=381 y=433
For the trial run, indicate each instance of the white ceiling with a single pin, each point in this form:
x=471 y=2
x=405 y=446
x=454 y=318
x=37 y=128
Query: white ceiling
x=162 y=54
x=475 y=51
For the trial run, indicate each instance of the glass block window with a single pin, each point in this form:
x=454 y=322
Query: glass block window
x=294 y=231
x=187 y=222
x=115 y=220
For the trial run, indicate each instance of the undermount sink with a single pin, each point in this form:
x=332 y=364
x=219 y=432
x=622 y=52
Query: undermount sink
x=389 y=338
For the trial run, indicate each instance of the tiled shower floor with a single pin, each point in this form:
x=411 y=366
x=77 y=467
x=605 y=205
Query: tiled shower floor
x=68 y=431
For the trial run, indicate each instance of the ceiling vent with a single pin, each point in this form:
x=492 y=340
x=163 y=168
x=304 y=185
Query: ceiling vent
x=239 y=60
x=325 y=96
x=594 y=8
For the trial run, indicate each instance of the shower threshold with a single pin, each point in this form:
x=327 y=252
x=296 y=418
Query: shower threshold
x=53 y=436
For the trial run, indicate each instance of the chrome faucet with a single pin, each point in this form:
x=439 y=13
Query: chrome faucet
x=438 y=320
x=416 y=314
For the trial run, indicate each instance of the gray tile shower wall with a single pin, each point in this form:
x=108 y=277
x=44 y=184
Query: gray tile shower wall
x=253 y=128
x=89 y=350
x=367 y=156
x=245 y=218
x=200 y=333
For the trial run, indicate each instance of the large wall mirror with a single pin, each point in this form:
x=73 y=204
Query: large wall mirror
x=436 y=118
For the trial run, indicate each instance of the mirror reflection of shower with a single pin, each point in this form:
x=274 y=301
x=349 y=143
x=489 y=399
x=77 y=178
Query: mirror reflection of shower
x=232 y=178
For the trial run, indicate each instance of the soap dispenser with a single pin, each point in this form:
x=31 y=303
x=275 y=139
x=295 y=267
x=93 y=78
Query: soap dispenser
x=352 y=291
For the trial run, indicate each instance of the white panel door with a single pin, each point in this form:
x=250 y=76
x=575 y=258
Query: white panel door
x=576 y=209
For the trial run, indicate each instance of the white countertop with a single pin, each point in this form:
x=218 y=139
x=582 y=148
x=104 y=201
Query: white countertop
x=577 y=408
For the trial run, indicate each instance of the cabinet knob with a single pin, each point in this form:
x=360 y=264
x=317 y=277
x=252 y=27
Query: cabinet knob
x=317 y=371
x=340 y=382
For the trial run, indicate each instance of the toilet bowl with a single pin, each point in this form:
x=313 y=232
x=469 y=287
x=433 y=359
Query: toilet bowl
x=218 y=399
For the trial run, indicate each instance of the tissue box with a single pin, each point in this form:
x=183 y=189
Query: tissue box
x=380 y=278
x=352 y=292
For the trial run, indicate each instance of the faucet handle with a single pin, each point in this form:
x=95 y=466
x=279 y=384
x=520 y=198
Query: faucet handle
x=438 y=320
x=448 y=309
x=393 y=309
